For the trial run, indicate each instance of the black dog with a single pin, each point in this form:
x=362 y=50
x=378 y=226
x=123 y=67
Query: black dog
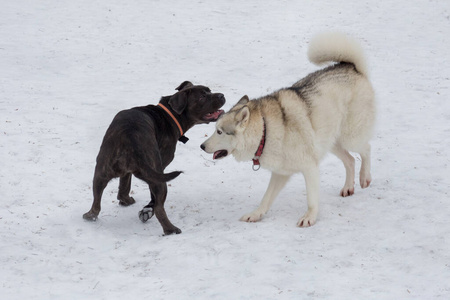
x=142 y=141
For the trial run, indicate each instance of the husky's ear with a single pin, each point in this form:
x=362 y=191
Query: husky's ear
x=244 y=100
x=178 y=102
x=242 y=117
x=184 y=85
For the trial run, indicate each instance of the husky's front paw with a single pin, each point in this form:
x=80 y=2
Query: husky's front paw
x=347 y=191
x=365 y=180
x=252 y=217
x=309 y=219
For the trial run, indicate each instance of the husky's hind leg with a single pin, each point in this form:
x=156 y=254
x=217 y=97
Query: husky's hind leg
x=277 y=182
x=364 y=175
x=349 y=164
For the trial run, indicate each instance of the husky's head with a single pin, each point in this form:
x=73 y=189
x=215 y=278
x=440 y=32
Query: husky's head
x=229 y=131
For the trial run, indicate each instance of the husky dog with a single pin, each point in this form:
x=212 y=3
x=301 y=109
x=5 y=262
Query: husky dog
x=292 y=129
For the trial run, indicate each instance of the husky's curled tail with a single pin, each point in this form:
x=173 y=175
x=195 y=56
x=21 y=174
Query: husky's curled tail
x=337 y=47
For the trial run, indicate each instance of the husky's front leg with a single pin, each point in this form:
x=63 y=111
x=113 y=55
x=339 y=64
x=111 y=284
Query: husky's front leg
x=277 y=182
x=312 y=195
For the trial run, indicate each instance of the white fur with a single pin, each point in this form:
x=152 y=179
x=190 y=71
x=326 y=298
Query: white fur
x=336 y=47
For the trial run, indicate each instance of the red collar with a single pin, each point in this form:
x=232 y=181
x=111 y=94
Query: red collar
x=256 y=164
x=182 y=137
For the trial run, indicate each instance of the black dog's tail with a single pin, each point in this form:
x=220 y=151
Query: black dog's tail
x=169 y=176
x=157 y=177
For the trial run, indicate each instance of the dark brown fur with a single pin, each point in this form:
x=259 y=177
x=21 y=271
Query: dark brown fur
x=141 y=141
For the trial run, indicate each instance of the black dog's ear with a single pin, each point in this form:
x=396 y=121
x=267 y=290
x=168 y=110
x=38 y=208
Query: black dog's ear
x=178 y=102
x=184 y=85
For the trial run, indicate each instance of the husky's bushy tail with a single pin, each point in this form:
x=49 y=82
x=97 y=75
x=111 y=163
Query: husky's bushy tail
x=337 y=47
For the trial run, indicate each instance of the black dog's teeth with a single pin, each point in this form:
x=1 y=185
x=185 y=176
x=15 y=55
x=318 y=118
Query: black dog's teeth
x=214 y=115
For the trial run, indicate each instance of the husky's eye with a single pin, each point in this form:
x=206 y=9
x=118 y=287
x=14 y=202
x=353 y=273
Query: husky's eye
x=219 y=132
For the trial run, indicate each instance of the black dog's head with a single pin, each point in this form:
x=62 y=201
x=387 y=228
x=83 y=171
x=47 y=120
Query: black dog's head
x=196 y=103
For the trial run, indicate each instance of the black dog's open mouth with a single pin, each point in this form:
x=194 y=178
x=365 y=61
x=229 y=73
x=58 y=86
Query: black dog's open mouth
x=212 y=117
x=220 y=154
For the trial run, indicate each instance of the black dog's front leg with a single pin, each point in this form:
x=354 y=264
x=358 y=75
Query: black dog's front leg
x=124 y=191
x=147 y=212
x=159 y=194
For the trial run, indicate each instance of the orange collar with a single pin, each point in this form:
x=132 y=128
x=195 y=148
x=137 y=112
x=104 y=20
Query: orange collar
x=173 y=118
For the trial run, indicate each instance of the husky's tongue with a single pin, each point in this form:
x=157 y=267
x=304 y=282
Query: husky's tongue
x=213 y=116
x=220 y=154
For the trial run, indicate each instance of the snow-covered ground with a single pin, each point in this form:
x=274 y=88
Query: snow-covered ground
x=67 y=67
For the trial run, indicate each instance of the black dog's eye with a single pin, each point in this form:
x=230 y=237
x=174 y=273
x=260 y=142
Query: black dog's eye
x=219 y=132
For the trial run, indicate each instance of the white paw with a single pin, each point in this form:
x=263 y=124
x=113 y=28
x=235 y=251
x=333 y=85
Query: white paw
x=365 y=180
x=309 y=219
x=252 y=217
x=347 y=191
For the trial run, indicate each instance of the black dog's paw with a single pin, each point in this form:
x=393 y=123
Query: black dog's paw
x=126 y=201
x=146 y=214
x=175 y=230
x=90 y=216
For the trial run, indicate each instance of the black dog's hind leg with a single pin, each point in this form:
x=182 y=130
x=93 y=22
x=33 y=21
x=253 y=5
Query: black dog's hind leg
x=124 y=191
x=98 y=187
